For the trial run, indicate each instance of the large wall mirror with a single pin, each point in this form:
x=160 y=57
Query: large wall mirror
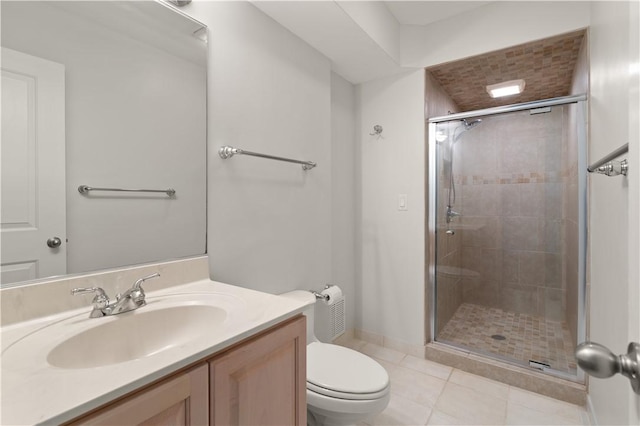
x=104 y=94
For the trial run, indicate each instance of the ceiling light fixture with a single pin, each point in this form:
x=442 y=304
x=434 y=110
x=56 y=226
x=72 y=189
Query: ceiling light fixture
x=506 y=88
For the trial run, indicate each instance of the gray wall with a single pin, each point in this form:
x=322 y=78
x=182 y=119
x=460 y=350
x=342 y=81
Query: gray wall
x=272 y=226
x=392 y=302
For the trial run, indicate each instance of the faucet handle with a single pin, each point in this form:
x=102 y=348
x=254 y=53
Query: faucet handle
x=138 y=283
x=83 y=290
x=136 y=292
x=101 y=300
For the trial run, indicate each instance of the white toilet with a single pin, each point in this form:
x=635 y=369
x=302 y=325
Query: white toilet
x=344 y=387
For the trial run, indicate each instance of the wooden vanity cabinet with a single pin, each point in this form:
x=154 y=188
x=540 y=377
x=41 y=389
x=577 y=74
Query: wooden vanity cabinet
x=261 y=381
x=179 y=400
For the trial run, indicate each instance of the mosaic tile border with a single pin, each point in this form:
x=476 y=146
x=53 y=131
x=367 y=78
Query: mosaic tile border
x=511 y=178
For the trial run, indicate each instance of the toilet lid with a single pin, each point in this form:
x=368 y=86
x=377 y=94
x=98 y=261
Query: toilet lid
x=343 y=370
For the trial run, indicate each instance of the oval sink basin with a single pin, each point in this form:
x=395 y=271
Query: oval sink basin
x=165 y=327
x=135 y=335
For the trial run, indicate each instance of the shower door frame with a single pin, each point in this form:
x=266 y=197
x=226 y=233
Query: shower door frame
x=581 y=134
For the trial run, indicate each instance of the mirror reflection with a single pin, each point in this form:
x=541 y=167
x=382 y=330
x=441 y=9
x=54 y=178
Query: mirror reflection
x=107 y=95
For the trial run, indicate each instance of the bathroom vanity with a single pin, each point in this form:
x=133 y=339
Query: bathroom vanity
x=255 y=382
x=200 y=352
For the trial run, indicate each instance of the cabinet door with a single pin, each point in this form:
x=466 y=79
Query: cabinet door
x=262 y=382
x=180 y=400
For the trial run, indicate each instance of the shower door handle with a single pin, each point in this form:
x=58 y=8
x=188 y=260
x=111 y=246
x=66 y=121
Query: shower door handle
x=598 y=361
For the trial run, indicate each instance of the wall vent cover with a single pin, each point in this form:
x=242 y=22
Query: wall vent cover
x=337 y=314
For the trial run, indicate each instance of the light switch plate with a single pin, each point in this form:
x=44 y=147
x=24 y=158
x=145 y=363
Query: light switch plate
x=402 y=202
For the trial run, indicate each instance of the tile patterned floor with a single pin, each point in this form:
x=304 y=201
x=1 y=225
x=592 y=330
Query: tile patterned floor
x=528 y=337
x=428 y=393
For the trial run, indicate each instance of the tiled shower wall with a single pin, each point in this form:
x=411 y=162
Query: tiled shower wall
x=449 y=249
x=510 y=190
x=449 y=294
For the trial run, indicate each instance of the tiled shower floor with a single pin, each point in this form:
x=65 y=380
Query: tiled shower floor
x=527 y=337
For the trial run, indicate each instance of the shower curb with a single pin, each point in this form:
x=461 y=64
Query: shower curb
x=541 y=383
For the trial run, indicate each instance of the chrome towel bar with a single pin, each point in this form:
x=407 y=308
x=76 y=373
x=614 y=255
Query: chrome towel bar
x=607 y=166
x=84 y=189
x=229 y=151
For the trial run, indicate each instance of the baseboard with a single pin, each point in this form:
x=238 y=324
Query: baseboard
x=593 y=420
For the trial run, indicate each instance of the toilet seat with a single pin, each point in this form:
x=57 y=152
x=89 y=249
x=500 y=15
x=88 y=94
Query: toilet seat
x=344 y=395
x=339 y=372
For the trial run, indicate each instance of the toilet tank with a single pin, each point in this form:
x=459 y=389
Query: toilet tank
x=310 y=303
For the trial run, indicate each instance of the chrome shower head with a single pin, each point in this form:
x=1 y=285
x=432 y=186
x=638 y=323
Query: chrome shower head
x=468 y=125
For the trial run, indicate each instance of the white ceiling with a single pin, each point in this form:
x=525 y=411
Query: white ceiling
x=426 y=12
x=362 y=39
x=329 y=29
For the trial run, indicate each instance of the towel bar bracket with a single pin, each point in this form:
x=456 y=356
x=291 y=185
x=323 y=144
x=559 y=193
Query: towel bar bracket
x=607 y=166
x=613 y=168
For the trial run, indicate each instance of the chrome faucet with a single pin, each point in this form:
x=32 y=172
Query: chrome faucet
x=451 y=214
x=130 y=300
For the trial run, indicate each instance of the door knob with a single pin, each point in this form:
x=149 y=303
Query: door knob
x=54 y=242
x=598 y=361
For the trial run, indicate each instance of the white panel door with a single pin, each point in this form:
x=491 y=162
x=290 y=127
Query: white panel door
x=614 y=232
x=33 y=204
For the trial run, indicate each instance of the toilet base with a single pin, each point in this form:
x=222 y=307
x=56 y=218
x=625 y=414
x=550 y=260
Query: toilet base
x=311 y=419
x=319 y=420
x=327 y=411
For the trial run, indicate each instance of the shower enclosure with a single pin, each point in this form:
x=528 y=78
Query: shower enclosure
x=507 y=227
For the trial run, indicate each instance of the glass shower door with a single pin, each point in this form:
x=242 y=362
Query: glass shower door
x=506 y=236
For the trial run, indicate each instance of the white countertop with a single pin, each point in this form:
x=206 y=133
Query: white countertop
x=33 y=391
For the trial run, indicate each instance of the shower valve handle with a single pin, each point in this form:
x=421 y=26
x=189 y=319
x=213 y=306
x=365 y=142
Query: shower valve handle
x=598 y=361
x=451 y=214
